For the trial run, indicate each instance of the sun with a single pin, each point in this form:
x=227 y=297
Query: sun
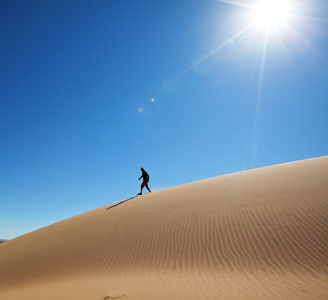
x=270 y=14
x=270 y=22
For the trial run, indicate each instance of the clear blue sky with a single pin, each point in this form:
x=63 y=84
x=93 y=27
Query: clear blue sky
x=90 y=91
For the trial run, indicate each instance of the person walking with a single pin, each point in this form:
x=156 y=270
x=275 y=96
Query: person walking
x=145 y=181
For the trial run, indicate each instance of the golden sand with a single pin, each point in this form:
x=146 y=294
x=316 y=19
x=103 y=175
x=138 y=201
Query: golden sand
x=258 y=234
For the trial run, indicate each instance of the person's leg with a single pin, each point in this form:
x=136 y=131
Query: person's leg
x=142 y=186
x=146 y=185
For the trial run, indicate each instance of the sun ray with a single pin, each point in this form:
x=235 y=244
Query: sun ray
x=280 y=13
x=240 y=33
x=258 y=100
x=306 y=18
x=228 y=41
x=305 y=43
x=236 y=3
x=263 y=59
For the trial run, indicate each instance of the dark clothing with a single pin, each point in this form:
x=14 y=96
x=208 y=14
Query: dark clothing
x=145 y=184
x=145 y=181
x=145 y=176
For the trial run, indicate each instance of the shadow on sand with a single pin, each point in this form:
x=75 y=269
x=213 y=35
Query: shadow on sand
x=117 y=204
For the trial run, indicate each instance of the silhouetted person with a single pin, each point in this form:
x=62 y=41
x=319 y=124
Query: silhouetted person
x=145 y=181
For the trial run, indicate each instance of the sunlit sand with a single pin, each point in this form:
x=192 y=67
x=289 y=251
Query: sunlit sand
x=258 y=234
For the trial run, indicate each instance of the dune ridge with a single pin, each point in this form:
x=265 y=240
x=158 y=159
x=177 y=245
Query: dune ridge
x=257 y=234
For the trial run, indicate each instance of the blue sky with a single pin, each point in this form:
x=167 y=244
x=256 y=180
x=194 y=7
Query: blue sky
x=90 y=91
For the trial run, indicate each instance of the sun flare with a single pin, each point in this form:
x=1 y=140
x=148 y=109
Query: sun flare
x=269 y=23
x=270 y=14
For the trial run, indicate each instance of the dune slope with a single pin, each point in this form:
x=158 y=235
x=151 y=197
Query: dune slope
x=258 y=234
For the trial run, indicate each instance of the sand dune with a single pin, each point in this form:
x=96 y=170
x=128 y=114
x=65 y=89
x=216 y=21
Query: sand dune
x=258 y=234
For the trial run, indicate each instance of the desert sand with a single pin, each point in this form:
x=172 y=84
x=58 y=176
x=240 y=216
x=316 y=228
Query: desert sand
x=257 y=234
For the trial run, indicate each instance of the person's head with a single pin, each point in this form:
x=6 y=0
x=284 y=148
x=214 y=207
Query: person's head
x=142 y=169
